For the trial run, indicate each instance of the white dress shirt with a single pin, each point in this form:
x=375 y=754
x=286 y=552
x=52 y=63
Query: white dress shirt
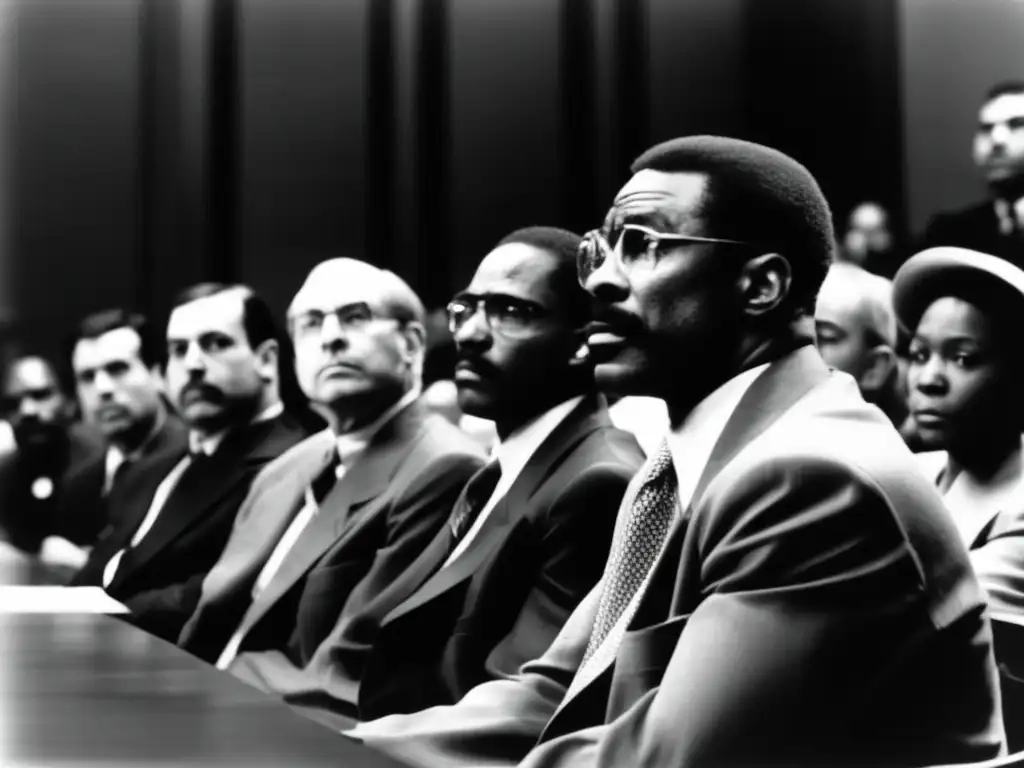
x=691 y=445
x=645 y=417
x=513 y=454
x=207 y=446
x=351 y=446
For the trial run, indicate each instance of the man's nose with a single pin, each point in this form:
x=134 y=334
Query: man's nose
x=104 y=384
x=608 y=282
x=332 y=333
x=475 y=329
x=194 y=359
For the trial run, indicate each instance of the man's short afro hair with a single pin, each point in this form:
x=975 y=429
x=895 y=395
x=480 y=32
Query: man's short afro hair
x=758 y=195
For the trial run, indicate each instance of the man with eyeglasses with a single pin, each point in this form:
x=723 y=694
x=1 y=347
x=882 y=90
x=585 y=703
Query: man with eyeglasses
x=530 y=533
x=336 y=520
x=782 y=588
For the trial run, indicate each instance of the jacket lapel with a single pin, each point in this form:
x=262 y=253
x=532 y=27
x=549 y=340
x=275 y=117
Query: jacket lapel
x=201 y=488
x=590 y=415
x=273 y=511
x=332 y=525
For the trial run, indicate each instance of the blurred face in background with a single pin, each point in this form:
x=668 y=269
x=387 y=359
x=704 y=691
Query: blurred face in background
x=999 y=140
x=352 y=357
x=855 y=327
x=116 y=390
x=867 y=233
x=214 y=377
x=961 y=393
x=37 y=409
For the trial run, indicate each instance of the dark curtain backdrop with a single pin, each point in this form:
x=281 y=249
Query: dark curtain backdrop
x=161 y=142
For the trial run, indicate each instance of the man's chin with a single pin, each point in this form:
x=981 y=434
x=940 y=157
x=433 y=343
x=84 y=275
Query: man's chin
x=475 y=402
x=622 y=378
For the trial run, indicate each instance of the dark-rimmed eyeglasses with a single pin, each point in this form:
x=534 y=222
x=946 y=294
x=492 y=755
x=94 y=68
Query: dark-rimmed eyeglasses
x=505 y=315
x=629 y=244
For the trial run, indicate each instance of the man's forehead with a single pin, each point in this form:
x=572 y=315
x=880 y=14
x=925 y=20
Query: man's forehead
x=845 y=298
x=119 y=344
x=1001 y=108
x=220 y=312
x=517 y=269
x=337 y=283
x=674 y=197
x=868 y=216
x=30 y=373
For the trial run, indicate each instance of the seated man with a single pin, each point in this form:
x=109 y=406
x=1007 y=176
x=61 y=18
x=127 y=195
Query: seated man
x=856 y=333
x=783 y=588
x=530 y=534
x=50 y=448
x=225 y=370
x=116 y=361
x=342 y=515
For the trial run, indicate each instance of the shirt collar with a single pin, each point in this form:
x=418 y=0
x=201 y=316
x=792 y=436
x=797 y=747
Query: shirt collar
x=209 y=445
x=693 y=441
x=351 y=444
x=514 y=451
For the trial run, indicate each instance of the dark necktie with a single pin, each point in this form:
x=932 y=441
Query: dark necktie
x=325 y=481
x=473 y=498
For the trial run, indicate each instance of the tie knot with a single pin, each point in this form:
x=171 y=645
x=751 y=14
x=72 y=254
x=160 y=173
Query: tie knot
x=660 y=462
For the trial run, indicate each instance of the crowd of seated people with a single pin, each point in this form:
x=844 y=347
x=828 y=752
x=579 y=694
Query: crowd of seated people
x=692 y=488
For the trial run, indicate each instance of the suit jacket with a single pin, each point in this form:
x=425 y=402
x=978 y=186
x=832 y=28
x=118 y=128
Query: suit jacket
x=83 y=515
x=437 y=632
x=371 y=525
x=25 y=518
x=813 y=605
x=160 y=579
x=976 y=227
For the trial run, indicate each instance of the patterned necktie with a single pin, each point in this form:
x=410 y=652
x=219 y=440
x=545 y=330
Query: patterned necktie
x=473 y=498
x=636 y=545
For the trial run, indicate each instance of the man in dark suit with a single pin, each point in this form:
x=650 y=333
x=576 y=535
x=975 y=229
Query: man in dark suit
x=783 y=587
x=50 y=448
x=116 y=361
x=343 y=514
x=226 y=369
x=995 y=226
x=530 y=533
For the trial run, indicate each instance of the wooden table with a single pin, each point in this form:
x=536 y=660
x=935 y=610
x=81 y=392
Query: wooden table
x=90 y=690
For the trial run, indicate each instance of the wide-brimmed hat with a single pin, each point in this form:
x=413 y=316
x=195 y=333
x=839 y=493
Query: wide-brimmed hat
x=991 y=283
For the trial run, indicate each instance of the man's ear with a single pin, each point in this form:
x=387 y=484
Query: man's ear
x=414 y=341
x=267 y=355
x=879 y=370
x=765 y=283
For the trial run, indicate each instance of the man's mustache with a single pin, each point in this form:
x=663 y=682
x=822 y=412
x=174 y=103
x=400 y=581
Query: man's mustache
x=617 y=321
x=200 y=391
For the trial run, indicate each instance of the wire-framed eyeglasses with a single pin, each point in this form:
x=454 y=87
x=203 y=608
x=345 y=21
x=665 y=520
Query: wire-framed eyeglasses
x=506 y=315
x=630 y=244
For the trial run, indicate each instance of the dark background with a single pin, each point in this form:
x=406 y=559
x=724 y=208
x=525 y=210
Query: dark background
x=149 y=144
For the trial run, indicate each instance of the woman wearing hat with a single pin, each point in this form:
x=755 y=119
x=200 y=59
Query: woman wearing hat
x=965 y=311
